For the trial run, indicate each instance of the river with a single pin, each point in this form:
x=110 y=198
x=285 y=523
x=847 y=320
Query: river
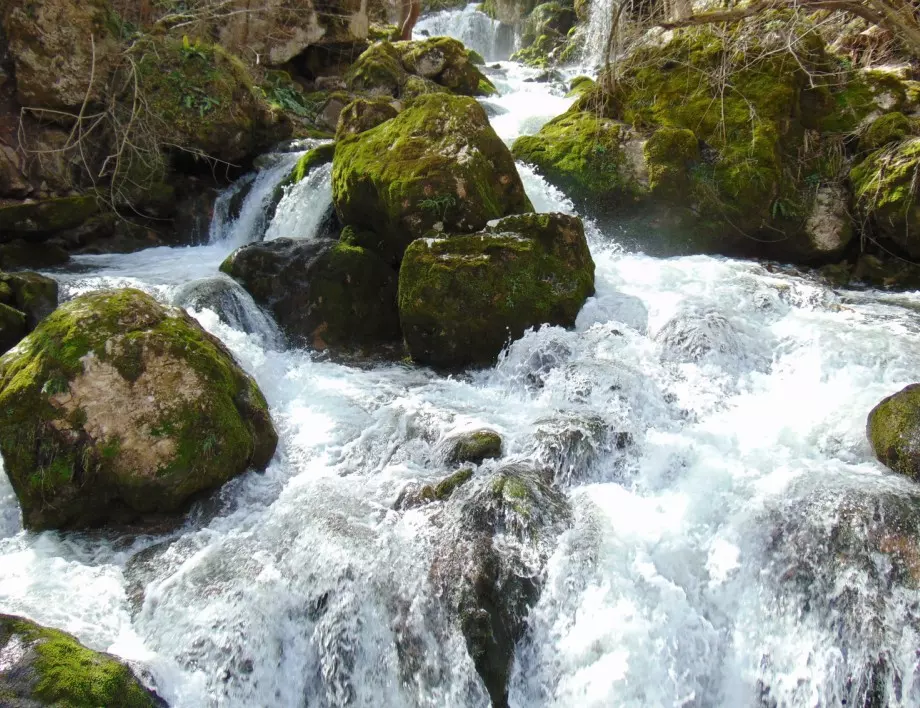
x=732 y=534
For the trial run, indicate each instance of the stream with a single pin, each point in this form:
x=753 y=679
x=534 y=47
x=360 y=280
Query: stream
x=732 y=531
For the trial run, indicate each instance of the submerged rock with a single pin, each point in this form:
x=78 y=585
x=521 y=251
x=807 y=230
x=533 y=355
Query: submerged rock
x=893 y=429
x=426 y=494
x=438 y=165
x=47 y=667
x=324 y=294
x=489 y=563
x=117 y=408
x=462 y=298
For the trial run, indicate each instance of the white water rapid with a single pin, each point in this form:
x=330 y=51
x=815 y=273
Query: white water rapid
x=706 y=418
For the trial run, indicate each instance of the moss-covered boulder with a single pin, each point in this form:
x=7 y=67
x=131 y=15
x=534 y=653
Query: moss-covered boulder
x=116 y=408
x=45 y=216
x=585 y=155
x=474 y=447
x=885 y=188
x=324 y=294
x=889 y=128
x=393 y=69
x=57 y=46
x=893 y=429
x=47 y=667
x=462 y=298
x=12 y=327
x=544 y=33
x=363 y=114
x=445 y=169
x=199 y=97
x=488 y=585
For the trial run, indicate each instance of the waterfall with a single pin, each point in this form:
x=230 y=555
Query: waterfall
x=596 y=32
x=494 y=40
x=227 y=299
x=305 y=208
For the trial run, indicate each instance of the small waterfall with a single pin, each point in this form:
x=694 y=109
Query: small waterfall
x=494 y=40
x=226 y=298
x=597 y=31
x=305 y=208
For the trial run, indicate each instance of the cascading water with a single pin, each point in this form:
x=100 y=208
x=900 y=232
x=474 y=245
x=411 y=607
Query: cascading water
x=730 y=529
x=492 y=39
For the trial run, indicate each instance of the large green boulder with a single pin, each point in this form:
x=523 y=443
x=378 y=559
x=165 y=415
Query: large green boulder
x=47 y=667
x=45 y=216
x=584 y=154
x=324 y=294
x=437 y=166
x=893 y=429
x=117 y=408
x=462 y=298
x=885 y=187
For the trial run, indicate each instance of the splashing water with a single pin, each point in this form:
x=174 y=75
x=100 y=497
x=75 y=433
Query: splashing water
x=734 y=543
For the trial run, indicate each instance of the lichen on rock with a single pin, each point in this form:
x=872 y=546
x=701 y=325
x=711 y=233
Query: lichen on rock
x=116 y=408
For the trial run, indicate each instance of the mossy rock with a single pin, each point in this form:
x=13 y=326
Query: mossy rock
x=428 y=493
x=12 y=327
x=318 y=156
x=363 y=114
x=21 y=254
x=378 y=71
x=580 y=85
x=463 y=298
x=46 y=216
x=387 y=69
x=889 y=128
x=884 y=185
x=670 y=154
x=47 y=667
x=445 y=61
x=893 y=429
x=33 y=294
x=583 y=154
x=445 y=169
x=488 y=590
x=117 y=408
x=544 y=30
x=324 y=294
x=474 y=447
x=203 y=98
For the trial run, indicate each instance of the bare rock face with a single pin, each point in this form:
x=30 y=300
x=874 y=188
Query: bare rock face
x=62 y=50
x=116 y=408
x=282 y=29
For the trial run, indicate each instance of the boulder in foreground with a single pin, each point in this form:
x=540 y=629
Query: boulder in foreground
x=46 y=667
x=117 y=408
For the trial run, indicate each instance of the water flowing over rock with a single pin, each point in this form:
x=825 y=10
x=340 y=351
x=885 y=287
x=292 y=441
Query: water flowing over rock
x=446 y=169
x=488 y=565
x=46 y=667
x=324 y=294
x=117 y=408
x=462 y=298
